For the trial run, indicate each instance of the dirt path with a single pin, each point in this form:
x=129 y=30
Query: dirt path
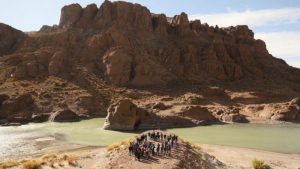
x=242 y=157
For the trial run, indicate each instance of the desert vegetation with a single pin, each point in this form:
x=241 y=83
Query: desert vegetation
x=259 y=164
x=48 y=159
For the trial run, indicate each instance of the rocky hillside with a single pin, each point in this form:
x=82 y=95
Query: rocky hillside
x=96 y=56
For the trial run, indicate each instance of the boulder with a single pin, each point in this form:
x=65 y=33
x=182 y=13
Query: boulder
x=40 y=118
x=17 y=109
x=233 y=117
x=65 y=115
x=23 y=103
x=123 y=115
x=198 y=113
x=295 y=102
x=160 y=106
x=195 y=99
x=3 y=97
x=19 y=118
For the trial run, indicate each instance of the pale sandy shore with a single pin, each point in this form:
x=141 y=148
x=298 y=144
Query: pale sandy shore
x=242 y=157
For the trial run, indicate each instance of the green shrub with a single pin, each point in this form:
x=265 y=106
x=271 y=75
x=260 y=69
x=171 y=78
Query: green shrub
x=259 y=164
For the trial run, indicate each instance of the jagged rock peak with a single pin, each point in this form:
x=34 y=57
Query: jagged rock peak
x=118 y=13
x=127 y=15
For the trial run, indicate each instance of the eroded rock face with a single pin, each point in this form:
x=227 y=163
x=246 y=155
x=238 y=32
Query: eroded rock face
x=9 y=38
x=57 y=63
x=118 y=66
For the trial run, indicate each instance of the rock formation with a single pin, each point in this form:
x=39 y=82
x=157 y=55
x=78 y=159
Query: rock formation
x=100 y=52
x=9 y=39
x=123 y=115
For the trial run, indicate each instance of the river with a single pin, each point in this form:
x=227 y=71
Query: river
x=38 y=138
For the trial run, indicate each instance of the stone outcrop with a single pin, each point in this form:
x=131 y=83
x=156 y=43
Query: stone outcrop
x=200 y=114
x=65 y=115
x=70 y=15
x=288 y=111
x=18 y=109
x=233 y=117
x=123 y=115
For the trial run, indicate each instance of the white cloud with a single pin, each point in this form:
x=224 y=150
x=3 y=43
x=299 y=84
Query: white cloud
x=253 y=18
x=285 y=45
x=294 y=64
x=282 y=44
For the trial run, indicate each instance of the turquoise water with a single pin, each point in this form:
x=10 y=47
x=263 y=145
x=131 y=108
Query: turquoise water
x=284 y=138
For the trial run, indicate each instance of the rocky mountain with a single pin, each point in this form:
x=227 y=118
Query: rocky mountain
x=97 y=56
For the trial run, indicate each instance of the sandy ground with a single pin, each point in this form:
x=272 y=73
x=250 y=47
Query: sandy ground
x=242 y=157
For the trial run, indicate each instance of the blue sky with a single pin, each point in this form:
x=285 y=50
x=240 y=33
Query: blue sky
x=277 y=22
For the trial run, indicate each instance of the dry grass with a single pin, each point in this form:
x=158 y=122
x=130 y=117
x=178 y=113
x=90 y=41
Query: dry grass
x=121 y=145
x=114 y=146
x=33 y=164
x=8 y=164
x=191 y=145
x=259 y=164
x=71 y=160
x=47 y=159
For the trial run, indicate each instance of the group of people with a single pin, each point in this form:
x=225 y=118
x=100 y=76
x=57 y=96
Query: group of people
x=152 y=143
